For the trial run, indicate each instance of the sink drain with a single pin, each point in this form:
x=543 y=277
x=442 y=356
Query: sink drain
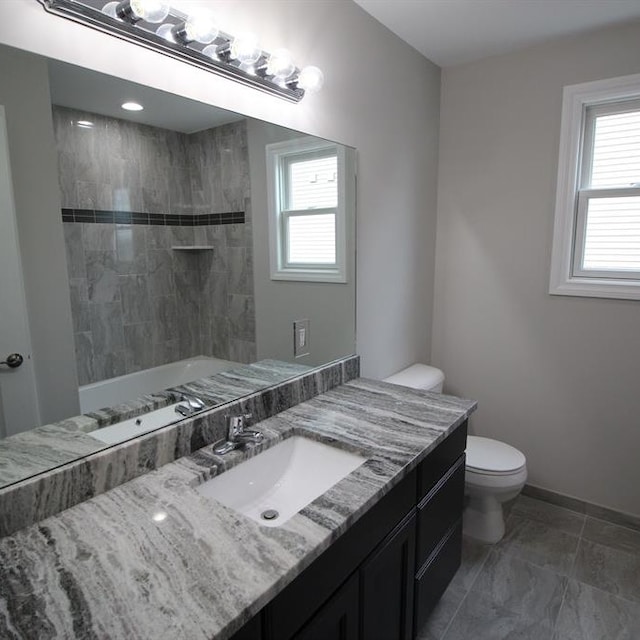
x=269 y=514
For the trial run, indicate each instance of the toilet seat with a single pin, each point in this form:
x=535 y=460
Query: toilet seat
x=493 y=458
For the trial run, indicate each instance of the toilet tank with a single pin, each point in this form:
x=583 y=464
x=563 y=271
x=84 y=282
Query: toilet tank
x=419 y=376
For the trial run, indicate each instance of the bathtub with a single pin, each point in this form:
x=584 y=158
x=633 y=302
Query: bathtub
x=107 y=393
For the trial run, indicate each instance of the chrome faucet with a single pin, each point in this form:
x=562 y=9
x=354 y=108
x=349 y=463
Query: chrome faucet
x=189 y=405
x=238 y=434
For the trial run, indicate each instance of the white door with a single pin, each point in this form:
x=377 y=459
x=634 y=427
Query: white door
x=18 y=395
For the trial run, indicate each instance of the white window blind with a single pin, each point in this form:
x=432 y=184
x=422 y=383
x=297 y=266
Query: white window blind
x=608 y=219
x=312 y=239
x=313 y=183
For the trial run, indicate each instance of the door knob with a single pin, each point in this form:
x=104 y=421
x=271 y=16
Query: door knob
x=13 y=361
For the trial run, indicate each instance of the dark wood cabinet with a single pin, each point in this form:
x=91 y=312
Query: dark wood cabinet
x=382 y=578
x=339 y=618
x=386 y=585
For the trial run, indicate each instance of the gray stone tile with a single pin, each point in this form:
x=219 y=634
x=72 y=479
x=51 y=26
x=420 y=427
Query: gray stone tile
x=240 y=270
x=612 y=535
x=235 y=235
x=84 y=357
x=616 y=517
x=539 y=544
x=474 y=555
x=131 y=248
x=521 y=587
x=109 y=365
x=87 y=195
x=181 y=236
x=552 y=515
x=591 y=614
x=478 y=618
x=165 y=352
x=219 y=336
x=573 y=504
x=99 y=237
x=79 y=304
x=164 y=317
x=102 y=276
x=139 y=346
x=160 y=279
x=155 y=200
x=242 y=351
x=76 y=266
x=609 y=569
x=442 y=615
x=158 y=237
x=135 y=299
x=104 y=196
x=106 y=328
x=242 y=322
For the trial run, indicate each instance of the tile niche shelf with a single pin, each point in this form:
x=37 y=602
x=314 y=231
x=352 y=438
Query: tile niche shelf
x=193 y=247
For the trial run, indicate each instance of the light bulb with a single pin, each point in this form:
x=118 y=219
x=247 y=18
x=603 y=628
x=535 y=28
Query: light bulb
x=311 y=79
x=200 y=28
x=149 y=10
x=245 y=49
x=166 y=31
x=211 y=51
x=280 y=64
x=111 y=9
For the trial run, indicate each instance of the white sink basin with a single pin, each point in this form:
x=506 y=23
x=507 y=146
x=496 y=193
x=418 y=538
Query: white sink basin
x=284 y=479
x=134 y=427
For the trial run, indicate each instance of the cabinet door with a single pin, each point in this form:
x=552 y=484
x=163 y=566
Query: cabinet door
x=338 y=619
x=386 y=582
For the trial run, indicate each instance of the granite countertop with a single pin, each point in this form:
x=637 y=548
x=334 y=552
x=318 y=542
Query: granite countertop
x=106 y=569
x=43 y=448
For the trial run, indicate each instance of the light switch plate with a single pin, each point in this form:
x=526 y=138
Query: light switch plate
x=301 y=338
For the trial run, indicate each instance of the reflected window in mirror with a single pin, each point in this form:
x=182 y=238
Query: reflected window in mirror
x=307 y=210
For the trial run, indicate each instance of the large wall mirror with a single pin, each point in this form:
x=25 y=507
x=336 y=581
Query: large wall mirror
x=191 y=259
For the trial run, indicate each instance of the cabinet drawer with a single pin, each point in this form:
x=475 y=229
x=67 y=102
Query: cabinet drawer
x=440 y=510
x=435 y=465
x=435 y=576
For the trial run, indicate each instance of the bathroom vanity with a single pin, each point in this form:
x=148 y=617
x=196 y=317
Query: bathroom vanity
x=154 y=558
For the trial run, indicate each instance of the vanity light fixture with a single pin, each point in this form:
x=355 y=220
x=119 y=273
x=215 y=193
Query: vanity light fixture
x=132 y=106
x=195 y=39
x=84 y=124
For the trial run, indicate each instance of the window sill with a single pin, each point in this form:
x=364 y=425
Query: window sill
x=597 y=288
x=302 y=275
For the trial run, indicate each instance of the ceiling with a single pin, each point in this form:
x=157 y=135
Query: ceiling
x=450 y=32
x=86 y=90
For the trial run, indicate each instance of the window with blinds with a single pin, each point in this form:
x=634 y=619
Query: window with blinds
x=307 y=210
x=311 y=199
x=608 y=201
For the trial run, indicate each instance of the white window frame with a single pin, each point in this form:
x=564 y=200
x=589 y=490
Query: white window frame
x=278 y=156
x=572 y=201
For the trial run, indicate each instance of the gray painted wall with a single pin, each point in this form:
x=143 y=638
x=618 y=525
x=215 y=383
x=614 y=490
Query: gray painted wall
x=329 y=307
x=24 y=91
x=380 y=96
x=558 y=377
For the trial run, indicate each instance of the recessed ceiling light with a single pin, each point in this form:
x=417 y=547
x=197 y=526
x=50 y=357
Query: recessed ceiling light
x=132 y=106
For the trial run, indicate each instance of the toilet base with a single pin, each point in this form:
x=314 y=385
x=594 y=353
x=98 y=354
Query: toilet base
x=483 y=519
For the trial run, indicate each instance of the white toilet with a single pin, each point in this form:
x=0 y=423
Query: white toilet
x=495 y=472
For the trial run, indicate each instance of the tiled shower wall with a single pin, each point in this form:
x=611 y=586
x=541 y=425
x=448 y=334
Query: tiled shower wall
x=136 y=302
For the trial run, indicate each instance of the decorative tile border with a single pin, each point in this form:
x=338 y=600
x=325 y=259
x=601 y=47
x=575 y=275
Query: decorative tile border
x=135 y=217
x=36 y=498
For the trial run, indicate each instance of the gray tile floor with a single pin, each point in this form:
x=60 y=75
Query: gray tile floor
x=556 y=575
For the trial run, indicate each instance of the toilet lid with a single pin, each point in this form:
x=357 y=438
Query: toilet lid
x=492 y=456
